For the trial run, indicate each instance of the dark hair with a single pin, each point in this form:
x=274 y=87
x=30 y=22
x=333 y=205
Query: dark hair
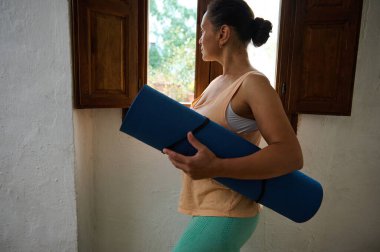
x=238 y=14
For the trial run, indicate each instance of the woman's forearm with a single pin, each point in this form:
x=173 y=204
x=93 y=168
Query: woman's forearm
x=272 y=161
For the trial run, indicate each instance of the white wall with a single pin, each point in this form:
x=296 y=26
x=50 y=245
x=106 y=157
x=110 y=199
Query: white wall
x=37 y=196
x=84 y=178
x=136 y=189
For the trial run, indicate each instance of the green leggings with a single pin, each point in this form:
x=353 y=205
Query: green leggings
x=216 y=234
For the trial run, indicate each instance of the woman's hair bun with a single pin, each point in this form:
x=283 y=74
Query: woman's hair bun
x=260 y=31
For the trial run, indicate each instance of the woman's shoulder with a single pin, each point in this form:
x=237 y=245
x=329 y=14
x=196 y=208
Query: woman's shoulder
x=255 y=79
x=256 y=87
x=256 y=74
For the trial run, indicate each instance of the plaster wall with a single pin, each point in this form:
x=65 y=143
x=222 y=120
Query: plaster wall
x=37 y=196
x=84 y=178
x=136 y=189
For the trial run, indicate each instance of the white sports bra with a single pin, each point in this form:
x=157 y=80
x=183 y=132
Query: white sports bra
x=238 y=123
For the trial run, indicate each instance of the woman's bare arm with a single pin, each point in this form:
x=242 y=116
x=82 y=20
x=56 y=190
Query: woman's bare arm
x=283 y=153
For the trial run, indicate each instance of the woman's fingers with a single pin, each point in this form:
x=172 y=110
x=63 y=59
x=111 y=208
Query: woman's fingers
x=201 y=165
x=175 y=155
x=194 y=141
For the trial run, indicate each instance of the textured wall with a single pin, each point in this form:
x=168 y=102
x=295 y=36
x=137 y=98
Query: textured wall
x=136 y=189
x=37 y=197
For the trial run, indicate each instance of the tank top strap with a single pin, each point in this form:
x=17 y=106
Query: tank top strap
x=236 y=85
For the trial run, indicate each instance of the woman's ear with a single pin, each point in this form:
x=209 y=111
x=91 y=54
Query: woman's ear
x=224 y=35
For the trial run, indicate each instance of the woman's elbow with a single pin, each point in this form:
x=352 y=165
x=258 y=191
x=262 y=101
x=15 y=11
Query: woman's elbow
x=294 y=156
x=298 y=158
x=299 y=163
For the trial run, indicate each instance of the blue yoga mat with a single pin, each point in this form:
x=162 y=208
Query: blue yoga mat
x=162 y=122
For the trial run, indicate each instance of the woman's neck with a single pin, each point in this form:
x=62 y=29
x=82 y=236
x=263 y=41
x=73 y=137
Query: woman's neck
x=235 y=62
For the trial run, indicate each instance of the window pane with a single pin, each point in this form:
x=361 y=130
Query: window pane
x=172 y=42
x=264 y=58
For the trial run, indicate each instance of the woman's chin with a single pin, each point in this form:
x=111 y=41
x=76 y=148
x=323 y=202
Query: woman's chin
x=205 y=58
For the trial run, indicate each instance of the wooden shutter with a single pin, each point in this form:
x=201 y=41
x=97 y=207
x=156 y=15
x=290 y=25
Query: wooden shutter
x=106 y=52
x=317 y=55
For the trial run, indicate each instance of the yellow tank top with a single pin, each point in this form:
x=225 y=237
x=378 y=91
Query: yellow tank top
x=206 y=197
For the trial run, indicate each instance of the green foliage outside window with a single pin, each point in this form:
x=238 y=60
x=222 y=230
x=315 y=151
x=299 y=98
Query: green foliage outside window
x=172 y=35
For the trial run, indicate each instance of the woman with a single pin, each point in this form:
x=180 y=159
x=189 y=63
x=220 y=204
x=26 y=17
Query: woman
x=242 y=100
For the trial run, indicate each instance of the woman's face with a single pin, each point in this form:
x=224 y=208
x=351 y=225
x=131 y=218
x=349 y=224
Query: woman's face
x=209 y=40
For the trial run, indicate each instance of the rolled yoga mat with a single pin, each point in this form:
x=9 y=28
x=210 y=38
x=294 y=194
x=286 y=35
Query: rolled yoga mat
x=162 y=122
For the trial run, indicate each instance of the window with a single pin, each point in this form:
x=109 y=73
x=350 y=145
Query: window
x=172 y=44
x=171 y=49
x=264 y=58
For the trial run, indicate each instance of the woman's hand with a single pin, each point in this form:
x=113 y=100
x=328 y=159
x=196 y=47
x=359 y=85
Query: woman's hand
x=204 y=164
